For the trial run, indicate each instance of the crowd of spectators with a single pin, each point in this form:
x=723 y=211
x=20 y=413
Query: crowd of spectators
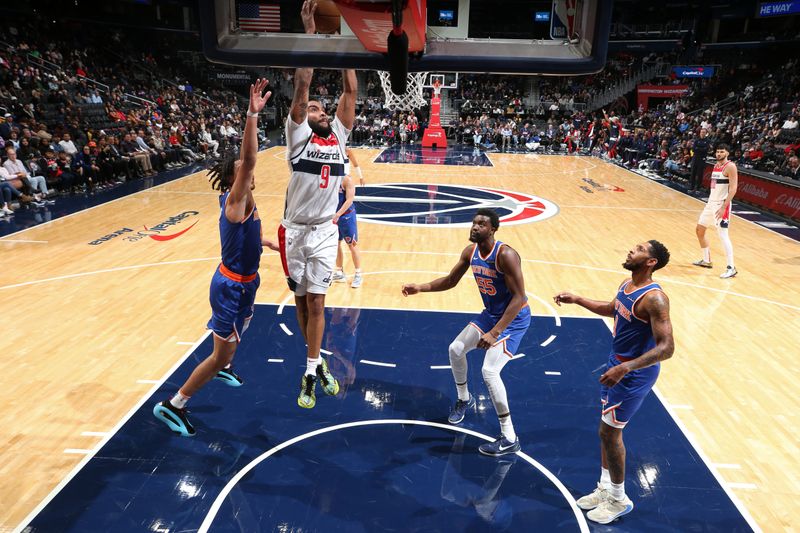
x=74 y=121
x=758 y=121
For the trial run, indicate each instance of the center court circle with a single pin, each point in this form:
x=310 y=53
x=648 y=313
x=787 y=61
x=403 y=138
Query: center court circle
x=389 y=474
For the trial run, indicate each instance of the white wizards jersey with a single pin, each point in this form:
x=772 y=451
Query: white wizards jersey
x=318 y=166
x=720 y=184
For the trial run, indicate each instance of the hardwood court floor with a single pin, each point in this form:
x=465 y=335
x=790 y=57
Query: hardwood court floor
x=87 y=325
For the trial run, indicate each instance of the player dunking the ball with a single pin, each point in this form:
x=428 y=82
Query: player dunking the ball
x=236 y=280
x=642 y=339
x=307 y=235
x=498 y=329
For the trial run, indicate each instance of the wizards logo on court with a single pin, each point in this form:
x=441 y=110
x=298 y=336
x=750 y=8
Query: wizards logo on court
x=407 y=204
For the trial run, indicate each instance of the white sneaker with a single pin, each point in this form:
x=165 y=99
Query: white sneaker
x=338 y=277
x=610 y=509
x=6 y=211
x=729 y=272
x=590 y=501
x=356 y=281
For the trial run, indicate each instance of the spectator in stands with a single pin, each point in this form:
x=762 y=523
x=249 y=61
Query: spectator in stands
x=130 y=149
x=9 y=192
x=67 y=145
x=157 y=157
x=26 y=152
x=7 y=126
x=175 y=144
x=212 y=144
x=85 y=166
x=55 y=175
x=13 y=140
x=790 y=123
x=700 y=152
x=791 y=169
x=31 y=184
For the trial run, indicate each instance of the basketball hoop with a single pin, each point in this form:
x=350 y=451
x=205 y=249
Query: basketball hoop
x=412 y=99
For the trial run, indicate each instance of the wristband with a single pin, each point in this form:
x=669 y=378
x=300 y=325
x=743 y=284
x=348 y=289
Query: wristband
x=254 y=115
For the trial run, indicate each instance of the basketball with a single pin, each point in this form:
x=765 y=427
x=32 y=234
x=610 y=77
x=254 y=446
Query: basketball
x=327 y=16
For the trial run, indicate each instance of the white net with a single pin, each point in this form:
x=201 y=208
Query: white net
x=413 y=99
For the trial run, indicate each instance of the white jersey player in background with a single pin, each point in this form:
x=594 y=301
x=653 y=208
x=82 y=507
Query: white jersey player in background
x=307 y=235
x=717 y=212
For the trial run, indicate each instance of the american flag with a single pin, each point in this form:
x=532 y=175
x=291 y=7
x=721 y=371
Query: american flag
x=260 y=17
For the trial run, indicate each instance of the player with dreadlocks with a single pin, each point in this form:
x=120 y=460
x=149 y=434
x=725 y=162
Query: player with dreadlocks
x=234 y=285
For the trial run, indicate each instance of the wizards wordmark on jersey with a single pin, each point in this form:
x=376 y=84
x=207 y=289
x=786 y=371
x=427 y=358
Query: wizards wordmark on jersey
x=408 y=204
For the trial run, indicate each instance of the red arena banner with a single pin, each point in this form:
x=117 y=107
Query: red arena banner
x=773 y=195
x=645 y=92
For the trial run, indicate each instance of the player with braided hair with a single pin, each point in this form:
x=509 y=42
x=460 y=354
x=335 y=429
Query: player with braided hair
x=234 y=285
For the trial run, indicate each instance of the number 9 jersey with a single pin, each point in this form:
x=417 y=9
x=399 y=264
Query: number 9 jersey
x=318 y=167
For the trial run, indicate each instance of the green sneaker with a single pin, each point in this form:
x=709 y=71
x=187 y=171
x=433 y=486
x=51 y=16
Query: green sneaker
x=326 y=379
x=307 y=398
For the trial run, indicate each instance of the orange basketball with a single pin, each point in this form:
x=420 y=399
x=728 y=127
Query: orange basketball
x=327 y=17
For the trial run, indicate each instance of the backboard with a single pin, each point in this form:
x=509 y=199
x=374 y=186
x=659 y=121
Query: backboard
x=459 y=36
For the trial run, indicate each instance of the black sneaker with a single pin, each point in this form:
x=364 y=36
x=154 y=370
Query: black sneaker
x=229 y=377
x=174 y=418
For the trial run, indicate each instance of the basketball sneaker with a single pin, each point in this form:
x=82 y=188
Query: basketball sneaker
x=703 y=263
x=610 y=509
x=174 y=418
x=307 y=398
x=460 y=410
x=729 y=272
x=590 y=501
x=499 y=447
x=229 y=377
x=326 y=379
x=356 y=283
x=338 y=277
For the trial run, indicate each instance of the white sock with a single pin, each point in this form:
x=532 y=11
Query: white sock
x=707 y=255
x=311 y=366
x=179 y=400
x=617 y=490
x=726 y=243
x=507 y=428
x=358 y=271
x=605 y=478
x=463 y=392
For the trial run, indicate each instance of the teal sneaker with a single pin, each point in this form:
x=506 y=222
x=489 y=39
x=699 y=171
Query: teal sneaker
x=307 y=398
x=326 y=379
x=229 y=377
x=174 y=418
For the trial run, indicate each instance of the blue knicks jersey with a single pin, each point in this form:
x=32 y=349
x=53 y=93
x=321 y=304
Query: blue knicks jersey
x=241 y=242
x=342 y=198
x=632 y=335
x=491 y=281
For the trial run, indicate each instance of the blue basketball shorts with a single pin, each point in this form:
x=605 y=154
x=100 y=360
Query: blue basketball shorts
x=620 y=402
x=512 y=335
x=348 y=230
x=232 y=305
